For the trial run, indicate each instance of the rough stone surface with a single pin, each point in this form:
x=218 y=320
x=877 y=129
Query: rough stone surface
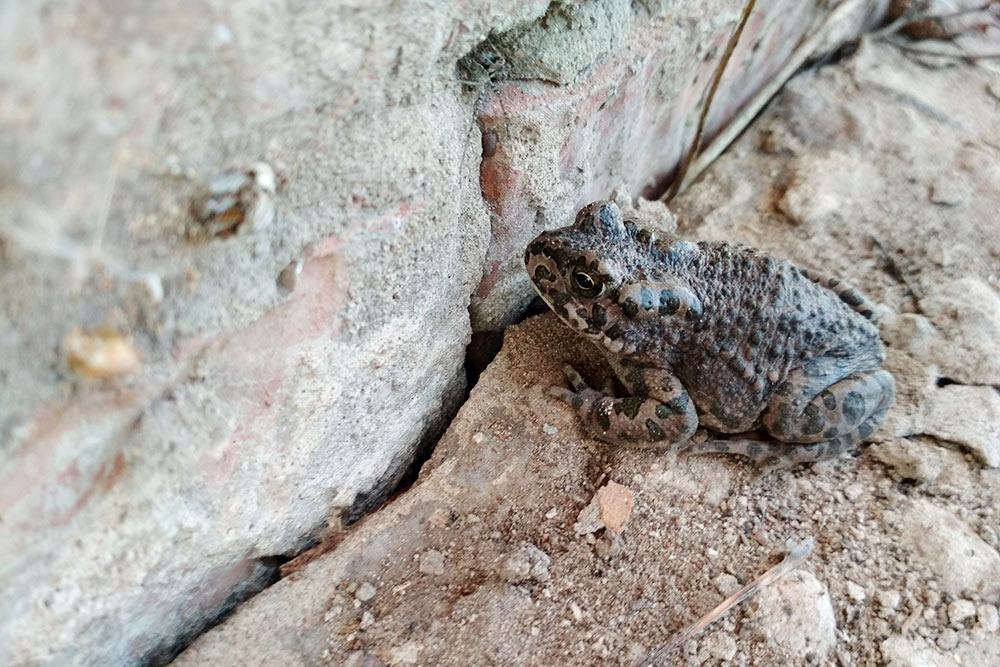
x=988 y=617
x=203 y=364
x=137 y=507
x=968 y=416
x=432 y=562
x=959 y=611
x=956 y=556
x=913 y=459
x=900 y=651
x=720 y=646
x=797 y=616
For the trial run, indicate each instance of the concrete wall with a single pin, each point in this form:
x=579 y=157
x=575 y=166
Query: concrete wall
x=182 y=407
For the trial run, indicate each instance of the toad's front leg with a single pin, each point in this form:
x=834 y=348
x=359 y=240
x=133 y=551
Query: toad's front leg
x=661 y=415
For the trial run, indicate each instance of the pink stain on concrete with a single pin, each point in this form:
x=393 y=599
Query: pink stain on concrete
x=489 y=280
x=257 y=364
x=50 y=478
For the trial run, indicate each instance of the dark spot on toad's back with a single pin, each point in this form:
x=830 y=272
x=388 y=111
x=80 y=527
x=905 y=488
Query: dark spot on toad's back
x=669 y=302
x=814 y=420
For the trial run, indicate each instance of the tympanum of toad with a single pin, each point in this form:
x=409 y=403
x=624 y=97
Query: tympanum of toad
x=712 y=334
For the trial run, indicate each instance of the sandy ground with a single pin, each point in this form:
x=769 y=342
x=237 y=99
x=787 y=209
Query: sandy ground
x=880 y=169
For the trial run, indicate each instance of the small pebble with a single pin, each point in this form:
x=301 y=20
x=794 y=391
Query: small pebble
x=988 y=617
x=576 y=611
x=606 y=546
x=367 y=620
x=947 y=640
x=528 y=563
x=726 y=584
x=289 y=276
x=720 y=645
x=365 y=592
x=888 y=601
x=616 y=502
x=432 y=562
x=549 y=429
x=959 y=611
x=855 y=592
x=950 y=190
x=853 y=492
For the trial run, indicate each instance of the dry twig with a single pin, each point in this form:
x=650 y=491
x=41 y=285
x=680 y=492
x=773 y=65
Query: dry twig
x=733 y=129
x=794 y=558
x=734 y=39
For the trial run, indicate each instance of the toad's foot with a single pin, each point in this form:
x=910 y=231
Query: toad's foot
x=803 y=411
x=661 y=419
x=769 y=456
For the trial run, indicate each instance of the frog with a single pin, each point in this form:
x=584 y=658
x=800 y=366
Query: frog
x=714 y=335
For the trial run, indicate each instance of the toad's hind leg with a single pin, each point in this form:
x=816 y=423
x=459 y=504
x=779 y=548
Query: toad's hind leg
x=802 y=412
x=768 y=456
x=811 y=427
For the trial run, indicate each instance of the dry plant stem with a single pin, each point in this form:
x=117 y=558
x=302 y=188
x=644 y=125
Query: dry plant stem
x=914 y=13
x=734 y=39
x=943 y=52
x=753 y=107
x=794 y=558
x=921 y=13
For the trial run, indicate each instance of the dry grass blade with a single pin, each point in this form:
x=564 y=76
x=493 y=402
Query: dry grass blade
x=734 y=39
x=698 y=163
x=924 y=12
x=913 y=13
x=944 y=51
x=794 y=558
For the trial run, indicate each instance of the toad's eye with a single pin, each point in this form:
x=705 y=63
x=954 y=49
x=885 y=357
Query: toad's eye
x=586 y=283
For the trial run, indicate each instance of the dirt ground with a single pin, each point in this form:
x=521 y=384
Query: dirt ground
x=882 y=169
